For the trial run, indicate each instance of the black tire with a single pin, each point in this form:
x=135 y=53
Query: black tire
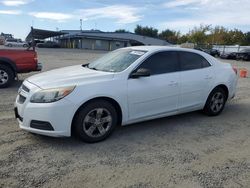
x=86 y=121
x=25 y=45
x=215 y=102
x=245 y=58
x=6 y=76
x=9 y=45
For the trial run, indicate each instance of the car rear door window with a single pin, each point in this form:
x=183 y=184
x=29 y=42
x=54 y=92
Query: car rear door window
x=190 y=61
x=161 y=62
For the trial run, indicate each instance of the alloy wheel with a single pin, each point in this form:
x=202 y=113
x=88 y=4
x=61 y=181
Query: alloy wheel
x=217 y=102
x=3 y=77
x=97 y=122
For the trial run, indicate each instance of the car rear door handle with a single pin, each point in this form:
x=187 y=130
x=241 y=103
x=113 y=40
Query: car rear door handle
x=207 y=77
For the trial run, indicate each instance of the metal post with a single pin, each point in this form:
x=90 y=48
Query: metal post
x=81 y=25
x=33 y=40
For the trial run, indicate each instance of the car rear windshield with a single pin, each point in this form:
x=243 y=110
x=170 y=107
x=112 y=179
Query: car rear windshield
x=117 y=60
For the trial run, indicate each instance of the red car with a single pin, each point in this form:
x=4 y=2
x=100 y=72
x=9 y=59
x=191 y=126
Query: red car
x=13 y=62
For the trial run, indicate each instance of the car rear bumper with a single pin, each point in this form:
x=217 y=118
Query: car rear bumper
x=39 y=66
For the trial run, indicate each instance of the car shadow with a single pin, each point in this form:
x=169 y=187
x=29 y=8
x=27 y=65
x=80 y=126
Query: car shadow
x=189 y=125
x=136 y=130
x=16 y=84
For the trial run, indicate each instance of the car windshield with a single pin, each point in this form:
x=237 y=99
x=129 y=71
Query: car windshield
x=117 y=60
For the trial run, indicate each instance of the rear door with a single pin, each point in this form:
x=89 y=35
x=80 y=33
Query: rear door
x=158 y=93
x=196 y=78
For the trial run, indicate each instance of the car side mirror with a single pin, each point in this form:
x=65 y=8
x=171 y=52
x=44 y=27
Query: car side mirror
x=141 y=72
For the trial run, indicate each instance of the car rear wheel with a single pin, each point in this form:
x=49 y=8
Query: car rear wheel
x=95 y=121
x=6 y=76
x=215 y=102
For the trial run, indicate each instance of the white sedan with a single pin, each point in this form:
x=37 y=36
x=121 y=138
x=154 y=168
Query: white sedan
x=124 y=86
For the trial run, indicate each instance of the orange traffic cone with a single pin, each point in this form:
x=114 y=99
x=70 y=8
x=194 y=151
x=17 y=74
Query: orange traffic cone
x=243 y=73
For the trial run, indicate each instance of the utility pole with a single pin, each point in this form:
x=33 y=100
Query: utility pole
x=81 y=25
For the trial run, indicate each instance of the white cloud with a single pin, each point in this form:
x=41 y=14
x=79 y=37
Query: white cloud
x=10 y=12
x=15 y=2
x=179 y=3
x=229 y=13
x=124 y=14
x=52 y=16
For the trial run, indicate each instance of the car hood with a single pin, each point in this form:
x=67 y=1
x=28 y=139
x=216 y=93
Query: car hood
x=73 y=75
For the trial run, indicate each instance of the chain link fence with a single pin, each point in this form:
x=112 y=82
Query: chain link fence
x=228 y=49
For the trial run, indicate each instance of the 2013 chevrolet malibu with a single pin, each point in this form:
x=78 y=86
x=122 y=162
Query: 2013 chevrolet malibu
x=124 y=86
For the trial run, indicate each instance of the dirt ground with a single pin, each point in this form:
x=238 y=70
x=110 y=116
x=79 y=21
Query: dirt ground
x=189 y=150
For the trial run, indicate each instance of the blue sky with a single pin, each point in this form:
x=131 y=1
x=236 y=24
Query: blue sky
x=16 y=16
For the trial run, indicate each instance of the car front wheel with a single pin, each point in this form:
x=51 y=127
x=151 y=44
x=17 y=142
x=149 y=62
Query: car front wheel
x=215 y=102
x=95 y=121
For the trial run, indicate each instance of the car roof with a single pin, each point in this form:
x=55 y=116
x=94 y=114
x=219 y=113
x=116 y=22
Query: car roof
x=153 y=49
x=160 y=48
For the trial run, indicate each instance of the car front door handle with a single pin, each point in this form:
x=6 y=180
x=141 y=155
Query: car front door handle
x=173 y=83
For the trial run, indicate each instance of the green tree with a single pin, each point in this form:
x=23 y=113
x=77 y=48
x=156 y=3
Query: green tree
x=246 y=39
x=121 y=31
x=236 y=37
x=199 y=35
x=183 y=39
x=170 y=35
x=219 y=35
x=146 y=31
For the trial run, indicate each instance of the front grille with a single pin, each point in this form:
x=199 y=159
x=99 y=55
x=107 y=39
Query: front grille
x=21 y=99
x=25 y=88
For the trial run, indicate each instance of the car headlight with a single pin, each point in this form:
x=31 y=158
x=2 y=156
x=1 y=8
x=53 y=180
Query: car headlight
x=51 y=95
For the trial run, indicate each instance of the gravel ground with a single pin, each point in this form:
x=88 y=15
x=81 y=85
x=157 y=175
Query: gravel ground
x=189 y=150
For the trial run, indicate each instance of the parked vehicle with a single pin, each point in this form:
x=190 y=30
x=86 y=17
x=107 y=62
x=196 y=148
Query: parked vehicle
x=228 y=55
x=13 y=62
x=212 y=52
x=243 y=54
x=48 y=44
x=124 y=86
x=15 y=43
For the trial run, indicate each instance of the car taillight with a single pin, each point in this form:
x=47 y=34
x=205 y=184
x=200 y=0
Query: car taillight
x=35 y=57
x=235 y=70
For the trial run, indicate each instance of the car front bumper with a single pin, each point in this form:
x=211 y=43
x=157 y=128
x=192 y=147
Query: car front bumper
x=57 y=115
